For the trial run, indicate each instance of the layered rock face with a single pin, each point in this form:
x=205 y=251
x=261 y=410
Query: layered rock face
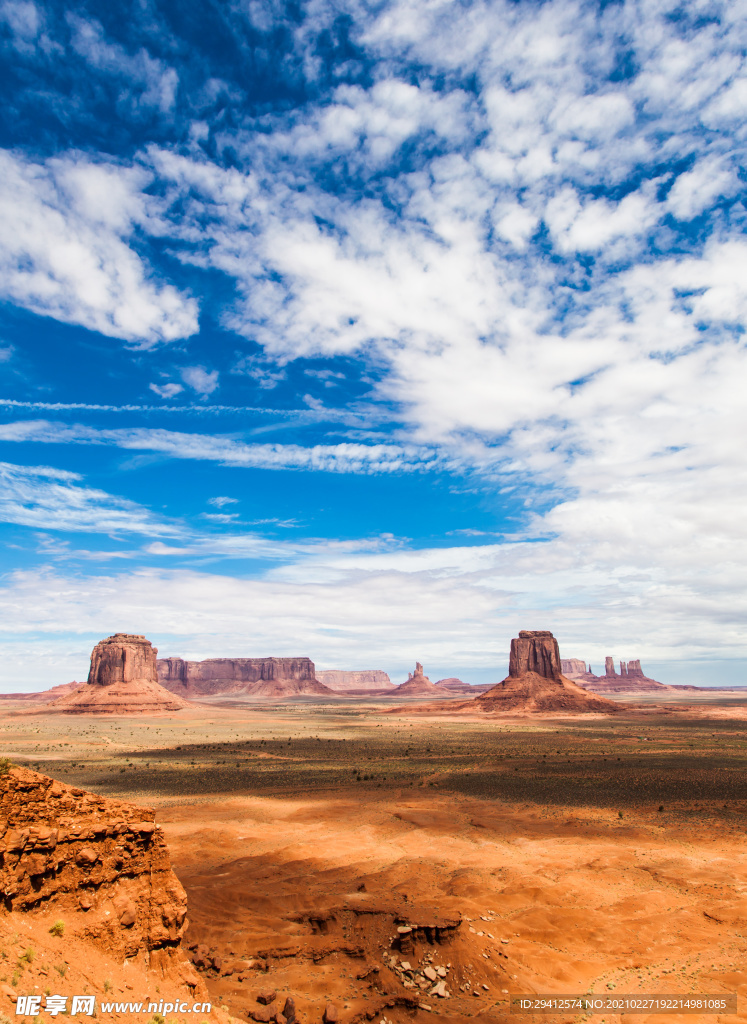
x=122 y=680
x=102 y=861
x=259 y=677
x=367 y=679
x=535 y=651
x=123 y=658
x=535 y=683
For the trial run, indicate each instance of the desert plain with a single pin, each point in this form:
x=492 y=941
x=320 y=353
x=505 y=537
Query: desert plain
x=333 y=850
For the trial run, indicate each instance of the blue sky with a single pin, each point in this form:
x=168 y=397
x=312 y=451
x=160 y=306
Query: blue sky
x=373 y=332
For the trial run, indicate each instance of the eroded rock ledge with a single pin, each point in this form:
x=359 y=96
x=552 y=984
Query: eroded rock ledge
x=102 y=859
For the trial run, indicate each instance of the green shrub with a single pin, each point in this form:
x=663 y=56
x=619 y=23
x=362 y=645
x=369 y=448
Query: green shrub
x=58 y=928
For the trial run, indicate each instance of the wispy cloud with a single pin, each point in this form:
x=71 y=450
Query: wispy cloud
x=52 y=499
x=346 y=457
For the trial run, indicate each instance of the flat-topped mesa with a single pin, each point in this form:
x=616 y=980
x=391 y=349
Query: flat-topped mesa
x=572 y=667
x=214 y=677
x=534 y=650
x=123 y=658
x=361 y=679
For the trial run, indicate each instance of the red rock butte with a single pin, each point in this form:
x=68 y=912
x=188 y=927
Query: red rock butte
x=418 y=684
x=122 y=681
x=535 y=683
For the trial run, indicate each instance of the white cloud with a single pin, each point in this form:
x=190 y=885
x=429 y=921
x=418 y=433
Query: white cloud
x=598 y=223
x=23 y=18
x=502 y=255
x=346 y=457
x=696 y=190
x=202 y=381
x=152 y=83
x=52 y=499
x=166 y=390
x=221 y=501
x=64 y=254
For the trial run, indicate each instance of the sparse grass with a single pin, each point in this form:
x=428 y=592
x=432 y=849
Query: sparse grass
x=107 y=985
x=58 y=928
x=620 y=764
x=28 y=956
x=5 y=765
x=61 y=969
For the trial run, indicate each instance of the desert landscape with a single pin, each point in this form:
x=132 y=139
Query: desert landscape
x=340 y=857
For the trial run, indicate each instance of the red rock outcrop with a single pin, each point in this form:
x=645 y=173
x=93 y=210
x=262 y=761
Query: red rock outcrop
x=630 y=679
x=419 y=685
x=255 y=677
x=535 y=683
x=366 y=679
x=66 y=849
x=122 y=681
x=534 y=650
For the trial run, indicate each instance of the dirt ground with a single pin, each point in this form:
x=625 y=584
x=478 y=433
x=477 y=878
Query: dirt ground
x=523 y=857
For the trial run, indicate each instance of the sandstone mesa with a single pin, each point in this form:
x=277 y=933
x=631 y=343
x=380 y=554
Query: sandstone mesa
x=365 y=679
x=255 y=677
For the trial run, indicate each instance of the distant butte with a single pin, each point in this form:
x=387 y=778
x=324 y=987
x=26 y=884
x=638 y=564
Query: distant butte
x=630 y=679
x=363 y=679
x=418 y=684
x=252 y=677
x=534 y=685
x=122 y=681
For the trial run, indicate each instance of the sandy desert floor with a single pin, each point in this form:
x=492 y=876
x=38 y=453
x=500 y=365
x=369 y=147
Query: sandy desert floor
x=528 y=857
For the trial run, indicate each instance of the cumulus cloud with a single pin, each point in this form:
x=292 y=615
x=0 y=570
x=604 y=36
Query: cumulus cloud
x=64 y=251
x=498 y=216
x=203 y=381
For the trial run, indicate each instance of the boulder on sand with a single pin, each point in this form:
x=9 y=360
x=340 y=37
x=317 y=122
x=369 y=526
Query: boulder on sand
x=122 y=681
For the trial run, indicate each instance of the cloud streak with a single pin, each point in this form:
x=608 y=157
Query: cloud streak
x=345 y=457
